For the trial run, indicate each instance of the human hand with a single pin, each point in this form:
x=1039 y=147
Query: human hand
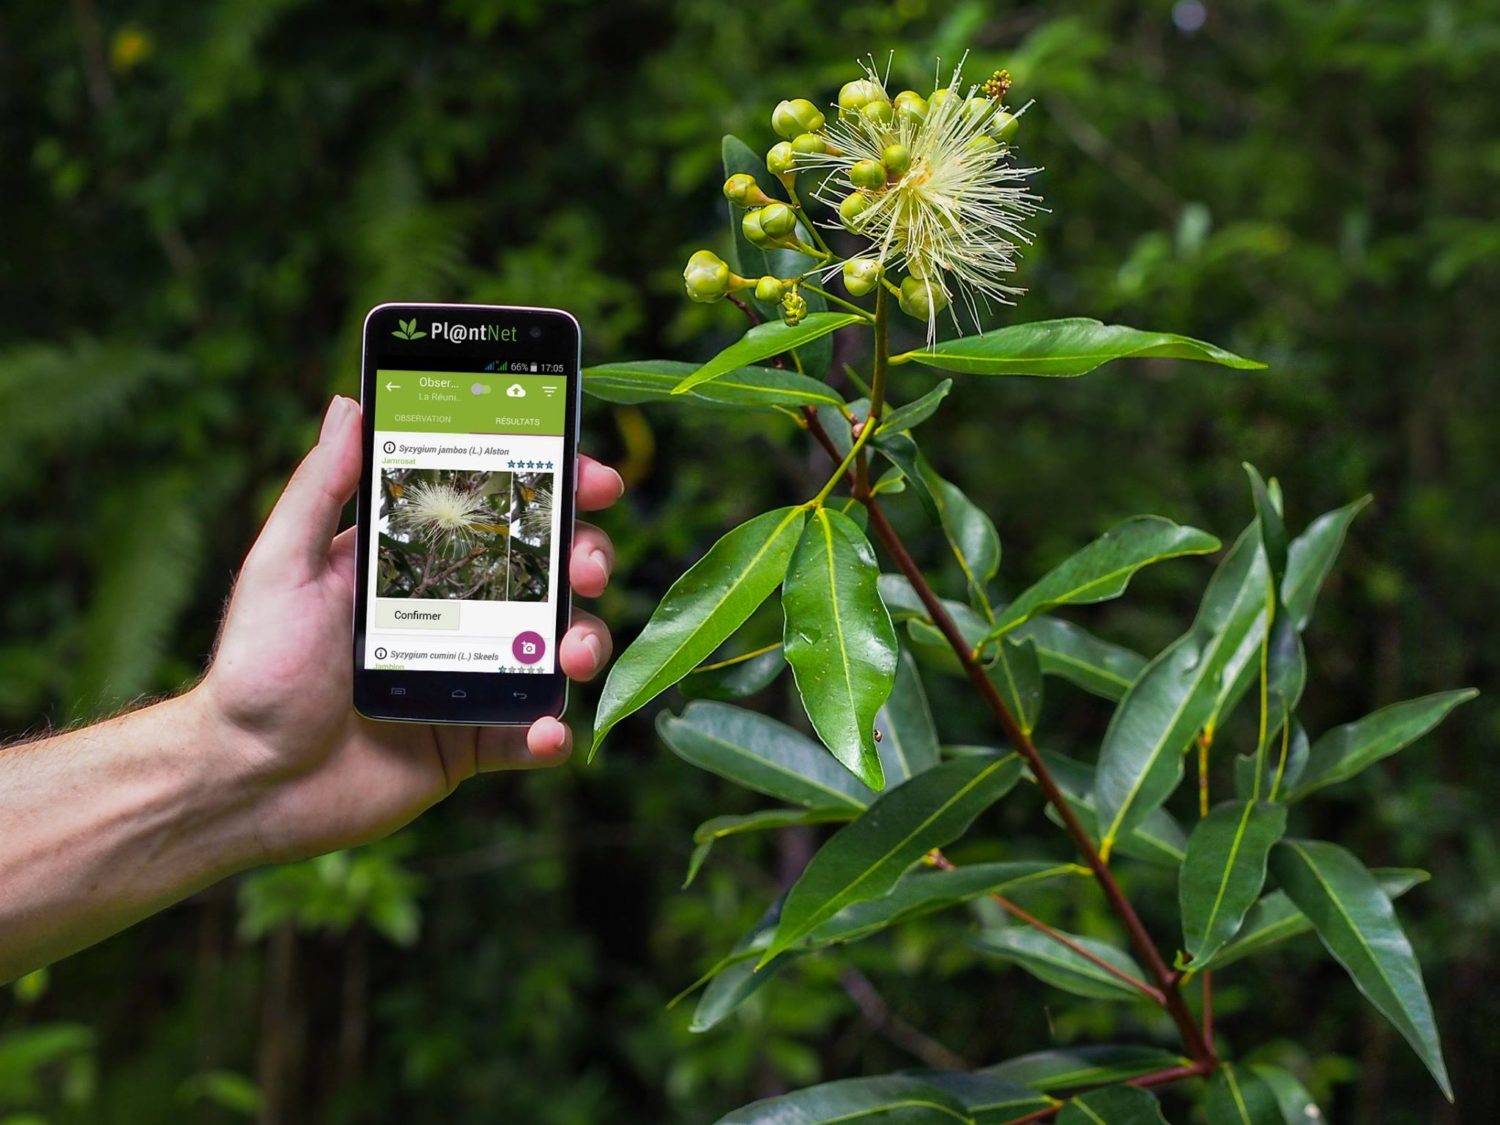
x=316 y=776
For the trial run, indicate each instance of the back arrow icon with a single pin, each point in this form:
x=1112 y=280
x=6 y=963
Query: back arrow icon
x=393 y=386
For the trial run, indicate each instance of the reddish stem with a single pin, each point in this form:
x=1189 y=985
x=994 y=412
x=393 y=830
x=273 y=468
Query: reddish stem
x=1145 y=1082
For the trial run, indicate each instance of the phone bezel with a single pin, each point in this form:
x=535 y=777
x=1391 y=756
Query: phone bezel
x=469 y=698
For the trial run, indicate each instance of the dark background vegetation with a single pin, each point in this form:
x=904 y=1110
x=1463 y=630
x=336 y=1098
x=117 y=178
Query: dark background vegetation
x=201 y=200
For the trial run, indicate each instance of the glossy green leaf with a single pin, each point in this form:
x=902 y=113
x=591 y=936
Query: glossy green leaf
x=1345 y=751
x=1063 y=349
x=1016 y=672
x=970 y=534
x=908 y=737
x=1103 y=569
x=1272 y=526
x=734 y=979
x=1061 y=967
x=1073 y=653
x=894 y=1099
x=866 y=858
x=749 y=260
x=1112 y=1105
x=1273 y=919
x=699 y=612
x=1238 y=1096
x=917 y=411
x=760 y=754
x=710 y=832
x=988 y=1098
x=1140 y=761
x=1356 y=922
x=654 y=380
x=1224 y=871
x=1070 y=1067
x=923 y=891
x=1296 y=1104
x=1294 y=748
x=734 y=678
x=1310 y=559
x=763 y=341
x=1158 y=838
x=901 y=451
x=839 y=639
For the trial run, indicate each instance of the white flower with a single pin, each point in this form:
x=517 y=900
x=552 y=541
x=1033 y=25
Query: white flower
x=951 y=210
x=441 y=512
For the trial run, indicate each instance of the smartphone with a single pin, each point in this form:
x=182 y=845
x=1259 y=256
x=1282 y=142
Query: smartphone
x=465 y=512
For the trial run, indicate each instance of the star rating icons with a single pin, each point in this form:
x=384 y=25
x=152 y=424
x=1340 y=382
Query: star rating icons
x=530 y=465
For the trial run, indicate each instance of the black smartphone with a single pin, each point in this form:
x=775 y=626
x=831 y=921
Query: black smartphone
x=465 y=512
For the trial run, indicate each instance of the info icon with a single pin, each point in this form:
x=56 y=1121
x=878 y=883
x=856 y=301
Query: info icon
x=389 y=447
x=528 y=647
x=381 y=654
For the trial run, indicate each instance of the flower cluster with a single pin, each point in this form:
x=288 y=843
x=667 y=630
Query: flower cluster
x=927 y=182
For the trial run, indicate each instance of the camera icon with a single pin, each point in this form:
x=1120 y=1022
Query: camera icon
x=528 y=647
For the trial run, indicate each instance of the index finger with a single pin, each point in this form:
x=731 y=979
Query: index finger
x=599 y=486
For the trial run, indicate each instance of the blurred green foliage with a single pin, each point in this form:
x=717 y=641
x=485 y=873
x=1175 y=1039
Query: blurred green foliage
x=202 y=200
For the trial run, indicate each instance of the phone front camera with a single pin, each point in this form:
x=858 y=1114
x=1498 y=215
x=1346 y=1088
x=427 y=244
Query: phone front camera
x=536 y=333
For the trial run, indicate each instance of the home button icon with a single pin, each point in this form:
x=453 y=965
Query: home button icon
x=458 y=693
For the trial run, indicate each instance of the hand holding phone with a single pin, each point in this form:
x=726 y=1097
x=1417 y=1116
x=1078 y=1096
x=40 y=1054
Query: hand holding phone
x=465 y=512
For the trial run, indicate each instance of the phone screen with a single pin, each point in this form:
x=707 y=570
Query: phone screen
x=465 y=512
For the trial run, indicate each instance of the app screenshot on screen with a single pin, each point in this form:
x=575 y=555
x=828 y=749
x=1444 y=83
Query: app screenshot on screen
x=466 y=466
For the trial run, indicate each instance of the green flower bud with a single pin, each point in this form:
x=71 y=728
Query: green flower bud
x=852 y=208
x=911 y=106
x=777 y=220
x=979 y=110
x=867 y=174
x=706 y=276
x=854 y=96
x=793 y=307
x=796 y=116
x=897 y=159
x=809 y=144
x=1004 y=126
x=770 y=289
x=982 y=143
x=750 y=227
x=861 y=275
x=781 y=159
x=742 y=189
x=938 y=97
x=878 y=114
x=920 y=302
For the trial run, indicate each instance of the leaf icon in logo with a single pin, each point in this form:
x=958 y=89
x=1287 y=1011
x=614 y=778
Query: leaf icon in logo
x=407 y=330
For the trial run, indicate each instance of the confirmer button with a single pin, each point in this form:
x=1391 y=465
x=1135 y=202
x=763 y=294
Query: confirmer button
x=392 y=613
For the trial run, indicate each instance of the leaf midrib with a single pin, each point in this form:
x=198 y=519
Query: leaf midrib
x=1234 y=851
x=779 y=768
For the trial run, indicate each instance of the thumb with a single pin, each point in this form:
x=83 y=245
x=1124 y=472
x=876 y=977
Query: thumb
x=301 y=526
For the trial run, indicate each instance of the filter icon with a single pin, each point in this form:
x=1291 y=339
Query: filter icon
x=549 y=391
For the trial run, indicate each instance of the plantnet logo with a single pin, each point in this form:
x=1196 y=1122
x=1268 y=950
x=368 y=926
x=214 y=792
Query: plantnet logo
x=463 y=333
x=407 y=330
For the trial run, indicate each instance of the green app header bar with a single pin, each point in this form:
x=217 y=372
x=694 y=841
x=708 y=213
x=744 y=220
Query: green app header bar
x=471 y=402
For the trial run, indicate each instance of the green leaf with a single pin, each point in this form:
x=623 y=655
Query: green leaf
x=1070 y=1067
x=1296 y=762
x=989 y=1099
x=1073 y=653
x=1272 y=527
x=1103 y=569
x=1158 y=838
x=749 y=260
x=894 y=1099
x=901 y=451
x=908 y=738
x=1237 y=1096
x=1113 y=1105
x=1064 y=348
x=839 y=639
x=711 y=831
x=1296 y=1104
x=727 y=681
x=970 y=534
x=1016 y=672
x=654 y=380
x=765 y=340
x=1224 y=870
x=916 y=412
x=1356 y=922
x=1310 y=558
x=1059 y=966
x=866 y=858
x=1345 y=751
x=734 y=979
x=760 y=754
x=1274 y=919
x=922 y=892
x=1140 y=761
x=699 y=612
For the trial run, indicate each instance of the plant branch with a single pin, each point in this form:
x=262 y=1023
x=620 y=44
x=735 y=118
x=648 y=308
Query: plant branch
x=1022 y=915
x=837 y=300
x=1164 y=1077
x=877 y=1013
